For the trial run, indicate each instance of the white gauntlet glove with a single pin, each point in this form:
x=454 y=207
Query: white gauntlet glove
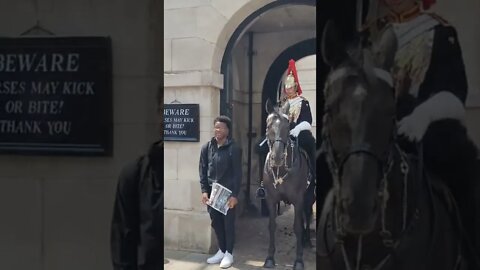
x=302 y=126
x=443 y=105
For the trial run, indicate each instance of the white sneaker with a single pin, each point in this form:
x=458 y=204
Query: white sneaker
x=216 y=258
x=227 y=260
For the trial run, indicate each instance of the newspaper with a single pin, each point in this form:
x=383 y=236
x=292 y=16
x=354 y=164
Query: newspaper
x=219 y=198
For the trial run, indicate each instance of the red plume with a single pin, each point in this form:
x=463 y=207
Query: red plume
x=428 y=3
x=291 y=67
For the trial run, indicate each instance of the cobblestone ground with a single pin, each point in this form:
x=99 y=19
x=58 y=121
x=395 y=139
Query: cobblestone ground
x=253 y=239
x=252 y=245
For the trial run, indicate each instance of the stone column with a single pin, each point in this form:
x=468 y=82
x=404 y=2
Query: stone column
x=187 y=223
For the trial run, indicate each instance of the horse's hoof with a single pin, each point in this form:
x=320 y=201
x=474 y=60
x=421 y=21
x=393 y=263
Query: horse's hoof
x=269 y=263
x=298 y=265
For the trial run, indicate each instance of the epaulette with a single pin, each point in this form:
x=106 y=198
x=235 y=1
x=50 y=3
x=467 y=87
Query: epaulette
x=437 y=17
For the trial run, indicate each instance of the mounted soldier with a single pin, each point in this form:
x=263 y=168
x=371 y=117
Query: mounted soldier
x=299 y=114
x=431 y=87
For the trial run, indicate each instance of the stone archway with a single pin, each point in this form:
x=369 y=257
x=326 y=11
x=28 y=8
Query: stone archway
x=251 y=49
x=236 y=35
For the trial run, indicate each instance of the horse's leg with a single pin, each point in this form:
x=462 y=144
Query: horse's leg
x=308 y=218
x=298 y=228
x=308 y=211
x=270 y=261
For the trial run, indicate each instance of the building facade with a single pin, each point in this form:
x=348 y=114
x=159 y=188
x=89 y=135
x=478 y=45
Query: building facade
x=225 y=55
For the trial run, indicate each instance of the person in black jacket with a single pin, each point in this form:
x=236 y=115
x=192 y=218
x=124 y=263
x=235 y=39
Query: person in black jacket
x=220 y=161
x=431 y=89
x=136 y=238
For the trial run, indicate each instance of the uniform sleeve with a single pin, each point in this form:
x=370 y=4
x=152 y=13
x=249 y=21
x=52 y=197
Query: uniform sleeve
x=203 y=169
x=124 y=237
x=447 y=69
x=305 y=113
x=237 y=169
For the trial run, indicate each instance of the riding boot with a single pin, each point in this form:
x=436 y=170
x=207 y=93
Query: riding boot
x=307 y=143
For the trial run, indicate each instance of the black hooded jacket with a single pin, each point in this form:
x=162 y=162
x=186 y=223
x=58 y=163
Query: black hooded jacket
x=137 y=223
x=222 y=164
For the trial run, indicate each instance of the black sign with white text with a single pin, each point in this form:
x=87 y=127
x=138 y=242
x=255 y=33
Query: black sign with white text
x=181 y=122
x=56 y=95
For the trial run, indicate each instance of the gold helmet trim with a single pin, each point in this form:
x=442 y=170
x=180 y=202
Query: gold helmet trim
x=290 y=80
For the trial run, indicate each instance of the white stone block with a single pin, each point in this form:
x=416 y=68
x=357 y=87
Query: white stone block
x=207 y=97
x=210 y=23
x=171 y=229
x=194 y=78
x=191 y=54
x=169 y=95
x=217 y=57
x=167 y=55
x=228 y=8
x=182 y=4
x=181 y=230
x=177 y=194
x=196 y=196
x=180 y=23
x=191 y=237
x=206 y=124
x=188 y=162
x=257 y=98
x=205 y=136
x=170 y=162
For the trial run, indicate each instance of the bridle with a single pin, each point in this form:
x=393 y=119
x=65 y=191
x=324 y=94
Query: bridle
x=275 y=169
x=384 y=163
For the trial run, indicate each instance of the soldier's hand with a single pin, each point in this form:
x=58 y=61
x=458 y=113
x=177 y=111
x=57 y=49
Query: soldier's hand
x=295 y=131
x=413 y=127
x=232 y=201
x=204 y=198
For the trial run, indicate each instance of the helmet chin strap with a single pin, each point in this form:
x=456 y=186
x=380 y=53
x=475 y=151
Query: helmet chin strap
x=293 y=95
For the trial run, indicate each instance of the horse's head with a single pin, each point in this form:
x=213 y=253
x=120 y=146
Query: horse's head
x=359 y=125
x=277 y=133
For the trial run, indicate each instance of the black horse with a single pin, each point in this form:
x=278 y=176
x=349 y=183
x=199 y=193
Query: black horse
x=285 y=177
x=384 y=210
